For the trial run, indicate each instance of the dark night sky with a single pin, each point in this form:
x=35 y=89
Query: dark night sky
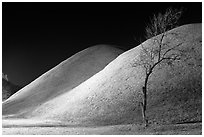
x=38 y=36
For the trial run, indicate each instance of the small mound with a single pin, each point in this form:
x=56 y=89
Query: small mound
x=112 y=96
x=62 y=78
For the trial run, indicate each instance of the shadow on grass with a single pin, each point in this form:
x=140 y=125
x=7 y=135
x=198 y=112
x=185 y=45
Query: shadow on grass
x=46 y=125
x=189 y=122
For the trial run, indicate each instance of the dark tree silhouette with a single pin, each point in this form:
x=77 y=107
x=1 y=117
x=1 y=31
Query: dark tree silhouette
x=8 y=88
x=161 y=51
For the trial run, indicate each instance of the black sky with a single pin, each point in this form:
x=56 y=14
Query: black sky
x=38 y=36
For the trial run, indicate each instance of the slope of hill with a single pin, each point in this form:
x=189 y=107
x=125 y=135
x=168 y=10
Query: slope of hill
x=8 y=88
x=112 y=96
x=62 y=78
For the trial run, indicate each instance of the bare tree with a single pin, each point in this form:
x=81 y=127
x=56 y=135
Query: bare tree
x=161 y=51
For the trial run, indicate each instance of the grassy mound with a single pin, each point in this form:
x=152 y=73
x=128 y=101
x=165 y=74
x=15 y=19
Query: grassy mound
x=112 y=95
x=62 y=78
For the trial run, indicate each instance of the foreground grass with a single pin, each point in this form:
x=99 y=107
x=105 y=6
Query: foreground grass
x=181 y=129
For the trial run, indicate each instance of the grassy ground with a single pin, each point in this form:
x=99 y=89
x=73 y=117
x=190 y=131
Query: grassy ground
x=176 y=129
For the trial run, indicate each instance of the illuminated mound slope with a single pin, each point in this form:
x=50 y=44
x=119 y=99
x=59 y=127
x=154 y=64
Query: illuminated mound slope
x=112 y=96
x=62 y=78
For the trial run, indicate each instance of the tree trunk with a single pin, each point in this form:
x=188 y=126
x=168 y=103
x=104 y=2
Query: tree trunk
x=144 y=106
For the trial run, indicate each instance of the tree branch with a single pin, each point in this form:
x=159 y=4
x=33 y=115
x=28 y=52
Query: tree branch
x=160 y=44
x=170 y=49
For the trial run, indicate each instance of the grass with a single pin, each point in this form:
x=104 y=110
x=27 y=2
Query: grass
x=130 y=129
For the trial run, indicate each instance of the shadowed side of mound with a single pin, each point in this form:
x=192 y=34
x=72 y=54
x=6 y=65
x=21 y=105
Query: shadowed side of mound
x=113 y=95
x=67 y=75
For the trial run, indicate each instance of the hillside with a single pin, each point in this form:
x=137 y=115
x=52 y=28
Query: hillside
x=62 y=78
x=112 y=95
